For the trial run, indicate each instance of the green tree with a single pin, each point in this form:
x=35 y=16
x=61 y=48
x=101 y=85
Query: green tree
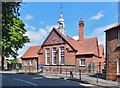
x=13 y=31
x=15 y=61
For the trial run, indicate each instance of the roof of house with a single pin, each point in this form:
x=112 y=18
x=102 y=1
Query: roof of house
x=32 y=52
x=86 y=46
x=114 y=26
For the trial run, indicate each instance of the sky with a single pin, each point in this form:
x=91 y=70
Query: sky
x=41 y=17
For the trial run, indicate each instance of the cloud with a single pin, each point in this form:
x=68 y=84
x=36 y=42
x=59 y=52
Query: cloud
x=28 y=17
x=75 y=37
x=29 y=27
x=99 y=32
x=49 y=28
x=42 y=22
x=36 y=36
x=97 y=16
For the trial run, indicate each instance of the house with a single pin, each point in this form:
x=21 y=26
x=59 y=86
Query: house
x=113 y=52
x=60 y=52
x=30 y=59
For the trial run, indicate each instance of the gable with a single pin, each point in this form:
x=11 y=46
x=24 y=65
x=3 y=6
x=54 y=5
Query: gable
x=54 y=38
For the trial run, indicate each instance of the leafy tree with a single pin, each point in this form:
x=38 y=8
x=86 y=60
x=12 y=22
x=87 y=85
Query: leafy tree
x=15 y=61
x=13 y=31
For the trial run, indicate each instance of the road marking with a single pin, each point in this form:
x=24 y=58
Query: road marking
x=86 y=84
x=25 y=81
x=37 y=78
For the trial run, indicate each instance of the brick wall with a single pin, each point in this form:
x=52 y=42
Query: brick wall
x=111 y=55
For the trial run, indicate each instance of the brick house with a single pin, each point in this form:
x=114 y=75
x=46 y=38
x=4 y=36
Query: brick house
x=59 y=51
x=113 y=52
x=30 y=59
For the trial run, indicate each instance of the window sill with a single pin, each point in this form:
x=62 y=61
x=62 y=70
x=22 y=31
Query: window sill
x=82 y=65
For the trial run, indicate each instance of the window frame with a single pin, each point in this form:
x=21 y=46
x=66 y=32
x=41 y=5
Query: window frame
x=47 y=56
x=26 y=63
x=81 y=62
x=61 y=54
x=31 y=64
x=54 y=55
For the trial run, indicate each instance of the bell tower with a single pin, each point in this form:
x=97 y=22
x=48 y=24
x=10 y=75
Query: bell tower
x=61 y=22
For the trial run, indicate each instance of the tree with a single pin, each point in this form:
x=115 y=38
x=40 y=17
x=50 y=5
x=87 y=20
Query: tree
x=15 y=61
x=13 y=31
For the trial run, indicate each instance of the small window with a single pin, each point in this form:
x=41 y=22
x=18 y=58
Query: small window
x=31 y=63
x=82 y=62
x=25 y=63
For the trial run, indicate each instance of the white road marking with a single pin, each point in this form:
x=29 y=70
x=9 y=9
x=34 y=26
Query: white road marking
x=25 y=81
x=86 y=84
x=37 y=78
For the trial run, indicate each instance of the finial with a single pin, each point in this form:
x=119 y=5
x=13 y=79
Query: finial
x=61 y=8
x=81 y=19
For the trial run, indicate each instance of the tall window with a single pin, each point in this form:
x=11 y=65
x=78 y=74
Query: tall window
x=82 y=62
x=61 y=55
x=47 y=56
x=119 y=37
x=54 y=59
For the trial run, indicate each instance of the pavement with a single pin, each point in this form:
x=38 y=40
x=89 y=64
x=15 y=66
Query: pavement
x=84 y=79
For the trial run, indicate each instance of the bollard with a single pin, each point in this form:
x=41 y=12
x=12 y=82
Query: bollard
x=71 y=74
x=97 y=76
x=80 y=74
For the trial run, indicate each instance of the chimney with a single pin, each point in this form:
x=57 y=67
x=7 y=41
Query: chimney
x=81 y=30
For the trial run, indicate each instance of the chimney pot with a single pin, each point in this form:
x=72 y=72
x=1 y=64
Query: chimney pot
x=81 y=30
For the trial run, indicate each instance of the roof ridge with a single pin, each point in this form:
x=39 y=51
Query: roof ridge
x=35 y=46
x=114 y=26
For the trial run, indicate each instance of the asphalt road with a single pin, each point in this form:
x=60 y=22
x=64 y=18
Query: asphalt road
x=24 y=80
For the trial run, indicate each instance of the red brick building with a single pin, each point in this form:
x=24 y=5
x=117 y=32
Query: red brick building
x=59 y=51
x=113 y=52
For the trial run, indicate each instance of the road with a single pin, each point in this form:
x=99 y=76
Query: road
x=36 y=81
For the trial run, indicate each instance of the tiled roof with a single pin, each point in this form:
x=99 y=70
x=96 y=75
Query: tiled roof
x=32 y=52
x=86 y=46
x=114 y=26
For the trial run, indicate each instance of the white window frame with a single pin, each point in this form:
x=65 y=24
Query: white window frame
x=81 y=62
x=118 y=64
x=31 y=63
x=26 y=63
x=47 y=56
x=61 y=56
x=53 y=52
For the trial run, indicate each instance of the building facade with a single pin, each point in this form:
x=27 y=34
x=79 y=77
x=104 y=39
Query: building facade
x=60 y=52
x=113 y=52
